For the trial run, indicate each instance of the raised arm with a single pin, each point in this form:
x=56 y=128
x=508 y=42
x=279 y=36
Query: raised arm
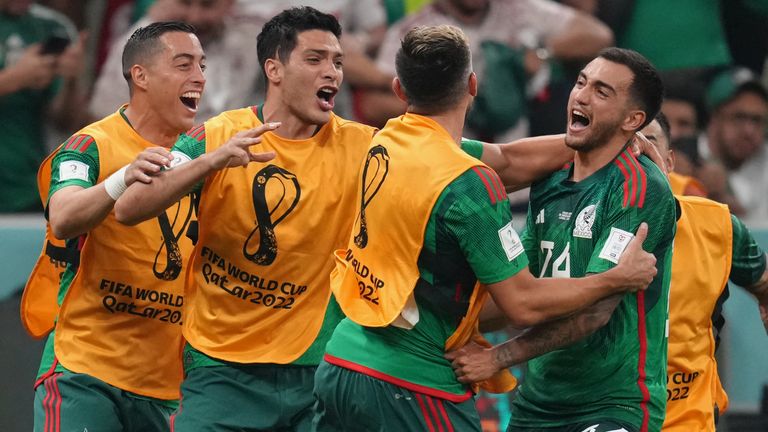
x=143 y=201
x=520 y=163
x=529 y=301
x=473 y=363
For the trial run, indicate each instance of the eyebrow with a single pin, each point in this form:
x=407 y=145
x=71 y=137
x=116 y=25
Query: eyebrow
x=187 y=56
x=323 y=52
x=599 y=83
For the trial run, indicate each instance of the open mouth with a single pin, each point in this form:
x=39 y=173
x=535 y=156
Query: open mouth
x=190 y=99
x=326 y=95
x=579 y=120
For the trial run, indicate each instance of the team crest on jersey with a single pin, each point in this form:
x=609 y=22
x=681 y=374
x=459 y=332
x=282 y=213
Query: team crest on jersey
x=584 y=221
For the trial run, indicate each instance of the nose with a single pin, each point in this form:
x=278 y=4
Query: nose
x=198 y=77
x=580 y=95
x=332 y=71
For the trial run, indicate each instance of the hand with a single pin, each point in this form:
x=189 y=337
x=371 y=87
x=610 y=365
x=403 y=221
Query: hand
x=235 y=152
x=641 y=144
x=637 y=266
x=34 y=70
x=147 y=164
x=70 y=63
x=473 y=363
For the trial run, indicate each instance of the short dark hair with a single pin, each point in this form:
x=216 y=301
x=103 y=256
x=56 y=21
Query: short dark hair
x=646 y=89
x=279 y=35
x=144 y=44
x=433 y=64
x=664 y=123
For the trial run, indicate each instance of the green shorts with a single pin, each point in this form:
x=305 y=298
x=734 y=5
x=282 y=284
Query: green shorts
x=256 y=397
x=68 y=401
x=354 y=402
x=598 y=425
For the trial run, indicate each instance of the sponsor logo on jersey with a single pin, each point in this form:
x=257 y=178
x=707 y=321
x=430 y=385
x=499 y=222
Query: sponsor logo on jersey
x=510 y=241
x=540 y=217
x=179 y=158
x=584 y=221
x=73 y=170
x=618 y=240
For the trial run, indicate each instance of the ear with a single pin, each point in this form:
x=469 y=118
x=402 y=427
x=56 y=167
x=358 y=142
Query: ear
x=472 y=85
x=633 y=121
x=670 y=160
x=274 y=70
x=139 y=76
x=398 y=89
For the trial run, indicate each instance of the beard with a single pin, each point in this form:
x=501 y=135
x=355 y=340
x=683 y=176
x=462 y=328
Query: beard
x=599 y=136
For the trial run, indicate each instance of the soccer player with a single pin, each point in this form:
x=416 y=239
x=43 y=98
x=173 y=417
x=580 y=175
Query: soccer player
x=258 y=313
x=579 y=220
x=712 y=246
x=407 y=280
x=113 y=361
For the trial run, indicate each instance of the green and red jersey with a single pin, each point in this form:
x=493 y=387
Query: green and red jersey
x=462 y=245
x=577 y=228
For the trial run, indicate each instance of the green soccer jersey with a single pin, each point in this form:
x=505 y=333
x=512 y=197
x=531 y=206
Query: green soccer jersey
x=574 y=229
x=462 y=245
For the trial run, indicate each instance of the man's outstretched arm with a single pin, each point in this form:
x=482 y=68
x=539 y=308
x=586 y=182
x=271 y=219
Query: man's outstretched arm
x=144 y=201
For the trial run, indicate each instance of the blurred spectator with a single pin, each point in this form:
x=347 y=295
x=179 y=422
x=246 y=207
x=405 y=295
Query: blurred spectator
x=735 y=137
x=34 y=87
x=233 y=75
x=397 y=9
x=510 y=41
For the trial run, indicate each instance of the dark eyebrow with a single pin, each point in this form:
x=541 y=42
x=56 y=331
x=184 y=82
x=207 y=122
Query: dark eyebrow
x=323 y=52
x=599 y=83
x=187 y=56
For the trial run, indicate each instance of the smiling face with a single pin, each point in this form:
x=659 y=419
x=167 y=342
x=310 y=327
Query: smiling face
x=599 y=105
x=308 y=81
x=175 y=80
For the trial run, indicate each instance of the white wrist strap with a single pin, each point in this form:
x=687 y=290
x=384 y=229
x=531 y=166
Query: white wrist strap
x=115 y=184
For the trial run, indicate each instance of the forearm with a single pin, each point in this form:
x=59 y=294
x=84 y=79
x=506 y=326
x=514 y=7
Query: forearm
x=529 y=301
x=760 y=288
x=61 y=112
x=550 y=336
x=584 y=36
x=142 y=201
x=73 y=211
x=524 y=161
x=9 y=82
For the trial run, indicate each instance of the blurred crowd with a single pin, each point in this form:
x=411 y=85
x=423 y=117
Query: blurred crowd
x=60 y=68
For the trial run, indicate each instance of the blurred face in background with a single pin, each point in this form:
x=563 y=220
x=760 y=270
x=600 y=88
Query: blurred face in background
x=206 y=15
x=682 y=118
x=738 y=128
x=15 y=7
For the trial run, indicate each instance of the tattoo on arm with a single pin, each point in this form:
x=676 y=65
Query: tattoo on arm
x=556 y=334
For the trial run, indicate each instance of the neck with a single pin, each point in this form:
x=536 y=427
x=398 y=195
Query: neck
x=452 y=120
x=292 y=127
x=586 y=163
x=149 y=125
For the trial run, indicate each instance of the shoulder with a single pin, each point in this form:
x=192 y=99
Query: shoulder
x=479 y=184
x=345 y=126
x=640 y=180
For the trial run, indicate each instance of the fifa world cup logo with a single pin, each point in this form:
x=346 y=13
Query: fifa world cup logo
x=271 y=207
x=182 y=215
x=374 y=174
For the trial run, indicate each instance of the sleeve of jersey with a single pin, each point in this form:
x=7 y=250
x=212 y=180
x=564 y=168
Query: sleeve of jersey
x=472 y=147
x=480 y=221
x=189 y=146
x=748 y=262
x=624 y=212
x=75 y=164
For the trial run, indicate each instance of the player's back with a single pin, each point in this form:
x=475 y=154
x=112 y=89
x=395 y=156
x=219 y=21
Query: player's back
x=579 y=228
